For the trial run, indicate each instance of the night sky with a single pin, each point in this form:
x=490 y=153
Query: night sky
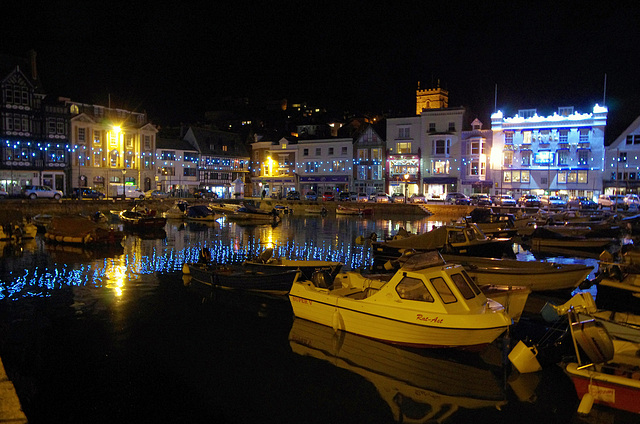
x=178 y=60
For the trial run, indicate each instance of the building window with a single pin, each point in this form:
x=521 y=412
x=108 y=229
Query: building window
x=432 y=127
x=508 y=158
x=147 y=142
x=305 y=152
x=526 y=137
x=440 y=167
x=441 y=147
x=622 y=157
x=564 y=136
x=344 y=151
x=583 y=156
x=97 y=134
x=526 y=157
x=362 y=155
x=362 y=172
x=81 y=136
x=128 y=138
x=584 y=136
x=476 y=147
x=376 y=155
x=524 y=177
x=318 y=151
x=508 y=137
x=563 y=157
x=404 y=132
x=506 y=177
x=330 y=151
x=97 y=159
x=403 y=148
x=376 y=172
x=452 y=126
x=113 y=158
x=168 y=155
x=189 y=172
x=562 y=177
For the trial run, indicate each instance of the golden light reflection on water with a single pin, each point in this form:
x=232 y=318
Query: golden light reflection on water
x=115 y=275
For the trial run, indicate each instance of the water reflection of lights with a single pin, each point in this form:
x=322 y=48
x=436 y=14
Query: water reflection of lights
x=115 y=276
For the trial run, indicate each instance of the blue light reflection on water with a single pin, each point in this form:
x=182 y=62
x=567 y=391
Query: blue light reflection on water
x=41 y=269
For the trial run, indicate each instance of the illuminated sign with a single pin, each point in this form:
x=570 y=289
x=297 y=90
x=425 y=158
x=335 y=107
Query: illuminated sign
x=544 y=157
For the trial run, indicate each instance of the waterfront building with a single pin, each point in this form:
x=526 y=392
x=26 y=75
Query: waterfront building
x=621 y=174
x=34 y=128
x=273 y=167
x=424 y=151
x=177 y=166
x=475 y=148
x=369 y=160
x=111 y=147
x=325 y=164
x=560 y=154
x=224 y=162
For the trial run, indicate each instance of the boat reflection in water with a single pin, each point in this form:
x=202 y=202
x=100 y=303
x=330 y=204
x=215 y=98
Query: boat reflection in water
x=418 y=385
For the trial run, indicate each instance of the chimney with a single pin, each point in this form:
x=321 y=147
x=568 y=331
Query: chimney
x=32 y=60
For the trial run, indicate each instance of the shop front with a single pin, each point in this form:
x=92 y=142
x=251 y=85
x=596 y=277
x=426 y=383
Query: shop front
x=320 y=184
x=438 y=187
x=273 y=186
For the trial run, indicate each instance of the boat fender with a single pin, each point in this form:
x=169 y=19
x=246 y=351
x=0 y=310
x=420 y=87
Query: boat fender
x=336 y=322
x=185 y=269
x=585 y=404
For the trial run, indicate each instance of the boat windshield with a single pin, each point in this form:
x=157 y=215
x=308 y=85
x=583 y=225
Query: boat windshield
x=413 y=289
x=443 y=290
x=423 y=260
x=462 y=285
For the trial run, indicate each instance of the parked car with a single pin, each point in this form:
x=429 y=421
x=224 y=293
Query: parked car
x=632 y=201
x=610 y=201
x=353 y=196
x=87 y=193
x=581 y=202
x=328 y=196
x=382 y=198
x=417 y=198
x=311 y=195
x=41 y=191
x=529 y=201
x=504 y=200
x=344 y=196
x=204 y=194
x=155 y=194
x=362 y=197
x=3 y=194
x=552 y=202
x=455 y=198
x=480 y=199
x=397 y=198
x=293 y=195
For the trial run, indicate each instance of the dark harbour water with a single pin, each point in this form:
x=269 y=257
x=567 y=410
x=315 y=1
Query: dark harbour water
x=116 y=336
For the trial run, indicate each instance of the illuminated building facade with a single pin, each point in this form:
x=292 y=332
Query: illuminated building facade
x=621 y=174
x=425 y=151
x=558 y=154
x=369 y=161
x=35 y=130
x=274 y=167
x=111 y=147
x=176 y=166
x=475 y=169
x=325 y=165
x=224 y=161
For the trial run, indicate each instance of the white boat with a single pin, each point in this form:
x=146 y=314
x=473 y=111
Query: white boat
x=426 y=303
x=224 y=208
x=177 y=211
x=538 y=276
x=248 y=213
x=418 y=386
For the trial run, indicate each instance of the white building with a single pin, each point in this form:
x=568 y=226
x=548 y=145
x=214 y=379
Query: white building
x=622 y=167
x=177 y=166
x=325 y=165
x=559 y=154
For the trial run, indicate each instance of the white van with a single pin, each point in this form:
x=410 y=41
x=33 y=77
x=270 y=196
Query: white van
x=130 y=192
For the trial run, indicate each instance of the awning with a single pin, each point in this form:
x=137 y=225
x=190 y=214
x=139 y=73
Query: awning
x=325 y=179
x=440 y=180
x=477 y=183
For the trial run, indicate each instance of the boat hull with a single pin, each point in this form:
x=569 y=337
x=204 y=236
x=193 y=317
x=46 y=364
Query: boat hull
x=307 y=268
x=401 y=322
x=242 y=278
x=615 y=391
x=538 y=276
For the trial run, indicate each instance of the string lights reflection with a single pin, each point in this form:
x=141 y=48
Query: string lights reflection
x=303 y=239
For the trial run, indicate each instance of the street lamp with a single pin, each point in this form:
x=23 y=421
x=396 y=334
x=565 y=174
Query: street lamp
x=124 y=196
x=406 y=187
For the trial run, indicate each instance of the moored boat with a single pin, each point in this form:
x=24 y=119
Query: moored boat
x=81 y=231
x=426 y=303
x=200 y=213
x=264 y=261
x=537 y=275
x=249 y=213
x=177 y=211
x=238 y=277
x=140 y=218
x=344 y=210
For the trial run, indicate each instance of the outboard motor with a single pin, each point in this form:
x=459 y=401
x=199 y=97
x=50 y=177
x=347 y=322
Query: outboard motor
x=321 y=279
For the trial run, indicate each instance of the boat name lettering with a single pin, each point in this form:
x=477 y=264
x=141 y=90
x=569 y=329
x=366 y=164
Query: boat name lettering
x=301 y=300
x=603 y=394
x=436 y=320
